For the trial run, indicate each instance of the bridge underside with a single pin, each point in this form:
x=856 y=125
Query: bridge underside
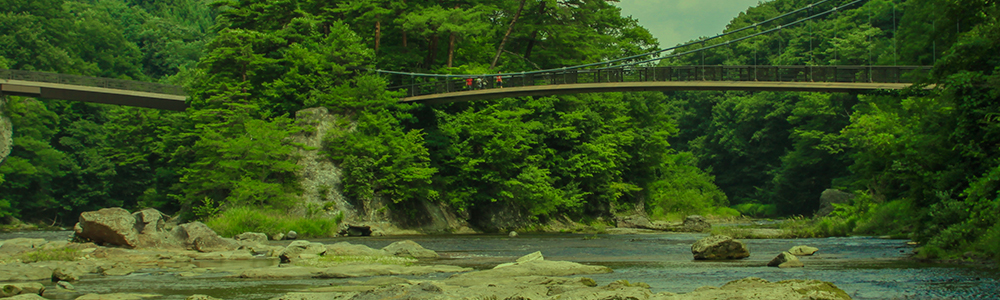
x=547 y=90
x=92 y=94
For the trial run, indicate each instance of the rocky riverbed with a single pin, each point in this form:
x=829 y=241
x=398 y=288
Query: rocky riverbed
x=36 y=267
x=113 y=243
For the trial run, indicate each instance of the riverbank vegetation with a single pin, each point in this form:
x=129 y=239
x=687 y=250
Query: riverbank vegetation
x=922 y=164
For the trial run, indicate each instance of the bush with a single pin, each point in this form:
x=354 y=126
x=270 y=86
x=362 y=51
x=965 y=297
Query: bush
x=249 y=219
x=757 y=210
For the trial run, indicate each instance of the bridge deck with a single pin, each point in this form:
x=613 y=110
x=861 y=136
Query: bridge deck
x=545 y=90
x=93 y=94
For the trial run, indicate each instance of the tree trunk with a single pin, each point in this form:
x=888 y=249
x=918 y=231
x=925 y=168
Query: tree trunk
x=405 y=49
x=451 y=48
x=451 y=44
x=378 y=35
x=431 y=52
x=534 y=34
x=531 y=44
x=507 y=35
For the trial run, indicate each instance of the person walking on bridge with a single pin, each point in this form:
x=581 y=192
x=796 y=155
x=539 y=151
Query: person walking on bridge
x=468 y=83
x=499 y=82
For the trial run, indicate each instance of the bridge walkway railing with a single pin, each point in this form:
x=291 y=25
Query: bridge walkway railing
x=418 y=86
x=110 y=83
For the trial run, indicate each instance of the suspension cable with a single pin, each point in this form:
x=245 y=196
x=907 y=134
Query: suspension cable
x=739 y=39
x=625 y=58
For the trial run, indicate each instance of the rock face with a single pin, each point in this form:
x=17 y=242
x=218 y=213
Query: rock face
x=696 y=223
x=719 y=247
x=803 y=250
x=114 y=226
x=785 y=260
x=321 y=182
x=320 y=178
x=409 y=249
x=6 y=131
x=828 y=198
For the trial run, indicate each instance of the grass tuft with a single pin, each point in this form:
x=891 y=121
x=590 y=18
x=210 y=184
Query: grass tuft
x=249 y=219
x=58 y=254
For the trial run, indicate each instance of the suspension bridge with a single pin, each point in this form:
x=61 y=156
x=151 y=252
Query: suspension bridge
x=634 y=73
x=92 y=89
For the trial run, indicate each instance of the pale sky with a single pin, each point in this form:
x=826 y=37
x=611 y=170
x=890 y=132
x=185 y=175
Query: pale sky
x=676 y=21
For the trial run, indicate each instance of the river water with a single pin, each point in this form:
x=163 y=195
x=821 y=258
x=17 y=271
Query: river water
x=866 y=268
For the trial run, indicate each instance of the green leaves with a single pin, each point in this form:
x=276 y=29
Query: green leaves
x=242 y=161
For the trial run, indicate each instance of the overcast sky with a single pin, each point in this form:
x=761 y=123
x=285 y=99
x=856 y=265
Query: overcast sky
x=676 y=21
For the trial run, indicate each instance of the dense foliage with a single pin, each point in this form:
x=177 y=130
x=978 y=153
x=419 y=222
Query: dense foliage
x=919 y=163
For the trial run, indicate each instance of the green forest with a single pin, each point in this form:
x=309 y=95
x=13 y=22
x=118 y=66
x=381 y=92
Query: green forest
x=921 y=164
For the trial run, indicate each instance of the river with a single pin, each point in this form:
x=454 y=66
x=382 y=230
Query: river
x=864 y=267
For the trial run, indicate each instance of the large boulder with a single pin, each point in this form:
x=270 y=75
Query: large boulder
x=633 y=221
x=409 y=248
x=197 y=236
x=108 y=226
x=696 y=223
x=719 y=247
x=149 y=221
x=803 y=250
x=830 y=197
x=785 y=260
x=301 y=249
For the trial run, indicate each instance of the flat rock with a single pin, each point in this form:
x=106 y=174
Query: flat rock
x=116 y=269
x=537 y=268
x=753 y=288
x=22 y=288
x=24 y=272
x=280 y=272
x=347 y=271
x=117 y=296
x=803 y=250
x=409 y=248
x=348 y=249
x=537 y=255
x=719 y=247
x=26 y=297
x=352 y=271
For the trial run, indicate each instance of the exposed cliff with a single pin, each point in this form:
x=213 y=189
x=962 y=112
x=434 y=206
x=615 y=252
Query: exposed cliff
x=6 y=131
x=320 y=178
x=321 y=183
